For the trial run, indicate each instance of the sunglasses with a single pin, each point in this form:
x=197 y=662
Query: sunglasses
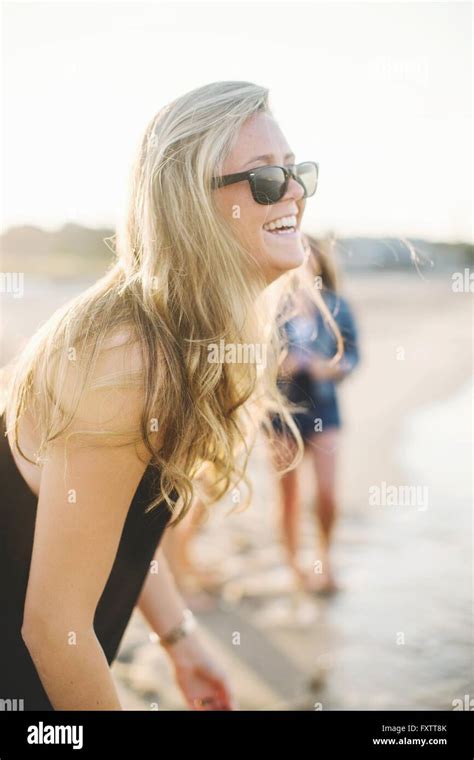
x=270 y=183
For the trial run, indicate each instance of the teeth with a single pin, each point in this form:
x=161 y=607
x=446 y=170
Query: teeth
x=283 y=221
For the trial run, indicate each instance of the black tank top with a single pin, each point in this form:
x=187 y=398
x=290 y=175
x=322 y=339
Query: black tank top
x=140 y=537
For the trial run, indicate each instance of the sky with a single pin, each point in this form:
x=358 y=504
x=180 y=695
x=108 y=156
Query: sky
x=379 y=93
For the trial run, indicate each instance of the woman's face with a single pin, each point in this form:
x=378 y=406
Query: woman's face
x=261 y=142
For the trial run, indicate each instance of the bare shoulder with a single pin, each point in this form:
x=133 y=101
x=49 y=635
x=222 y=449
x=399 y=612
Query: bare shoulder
x=88 y=480
x=102 y=392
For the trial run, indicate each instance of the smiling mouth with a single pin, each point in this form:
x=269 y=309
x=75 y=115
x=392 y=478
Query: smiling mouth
x=284 y=225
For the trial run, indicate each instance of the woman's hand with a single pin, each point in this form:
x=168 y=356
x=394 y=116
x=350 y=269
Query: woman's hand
x=201 y=680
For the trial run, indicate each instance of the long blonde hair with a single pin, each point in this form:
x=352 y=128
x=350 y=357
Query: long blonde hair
x=180 y=281
x=322 y=262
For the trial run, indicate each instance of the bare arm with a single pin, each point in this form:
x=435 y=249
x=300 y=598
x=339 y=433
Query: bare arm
x=80 y=517
x=203 y=683
x=160 y=601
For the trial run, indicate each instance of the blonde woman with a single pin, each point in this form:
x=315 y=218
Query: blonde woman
x=115 y=405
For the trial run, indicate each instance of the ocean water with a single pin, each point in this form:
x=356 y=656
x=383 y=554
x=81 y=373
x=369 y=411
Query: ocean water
x=401 y=637
x=436 y=447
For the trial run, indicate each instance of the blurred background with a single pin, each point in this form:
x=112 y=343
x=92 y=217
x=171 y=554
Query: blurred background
x=381 y=95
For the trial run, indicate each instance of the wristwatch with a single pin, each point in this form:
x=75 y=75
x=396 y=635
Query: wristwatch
x=179 y=631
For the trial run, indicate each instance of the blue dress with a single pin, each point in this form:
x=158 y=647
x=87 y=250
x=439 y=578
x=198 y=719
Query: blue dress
x=309 y=337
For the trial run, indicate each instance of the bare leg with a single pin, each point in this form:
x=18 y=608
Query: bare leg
x=290 y=507
x=323 y=450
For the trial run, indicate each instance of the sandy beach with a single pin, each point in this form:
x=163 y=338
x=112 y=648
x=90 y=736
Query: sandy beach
x=399 y=633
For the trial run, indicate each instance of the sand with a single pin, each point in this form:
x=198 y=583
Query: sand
x=399 y=634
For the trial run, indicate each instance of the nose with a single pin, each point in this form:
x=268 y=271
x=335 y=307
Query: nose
x=294 y=190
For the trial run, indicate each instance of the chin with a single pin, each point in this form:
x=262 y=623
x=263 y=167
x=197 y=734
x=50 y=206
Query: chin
x=284 y=252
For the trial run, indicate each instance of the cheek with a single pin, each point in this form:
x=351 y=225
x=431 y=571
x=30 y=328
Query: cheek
x=245 y=216
x=301 y=203
x=252 y=230
x=250 y=214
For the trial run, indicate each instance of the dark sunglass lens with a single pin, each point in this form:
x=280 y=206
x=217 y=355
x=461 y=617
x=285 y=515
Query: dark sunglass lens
x=268 y=184
x=307 y=174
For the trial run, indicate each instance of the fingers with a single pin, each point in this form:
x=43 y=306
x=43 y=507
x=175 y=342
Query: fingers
x=222 y=699
x=203 y=703
x=210 y=703
x=224 y=690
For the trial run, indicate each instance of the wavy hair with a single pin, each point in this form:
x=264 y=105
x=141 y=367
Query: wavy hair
x=179 y=282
